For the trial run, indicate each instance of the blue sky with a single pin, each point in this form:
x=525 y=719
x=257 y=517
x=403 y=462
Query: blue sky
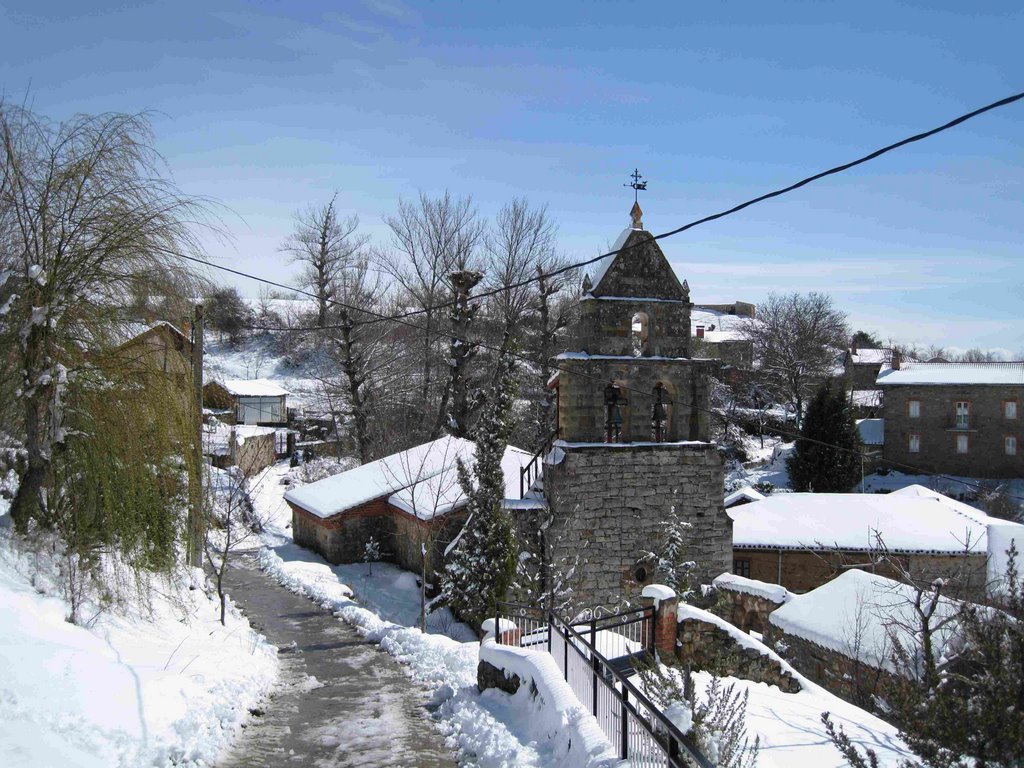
x=267 y=107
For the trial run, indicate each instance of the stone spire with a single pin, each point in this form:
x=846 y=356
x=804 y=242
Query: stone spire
x=637 y=216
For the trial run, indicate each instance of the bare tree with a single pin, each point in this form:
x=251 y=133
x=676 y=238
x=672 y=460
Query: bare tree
x=325 y=247
x=87 y=220
x=431 y=239
x=797 y=339
x=521 y=241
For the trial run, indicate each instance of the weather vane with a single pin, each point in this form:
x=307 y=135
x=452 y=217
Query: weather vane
x=637 y=185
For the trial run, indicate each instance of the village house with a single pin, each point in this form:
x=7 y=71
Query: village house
x=717 y=331
x=955 y=418
x=410 y=503
x=803 y=540
x=842 y=635
x=251 y=401
x=159 y=347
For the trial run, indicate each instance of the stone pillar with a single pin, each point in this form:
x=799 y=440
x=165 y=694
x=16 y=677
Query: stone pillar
x=508 y=632
x=664 y=601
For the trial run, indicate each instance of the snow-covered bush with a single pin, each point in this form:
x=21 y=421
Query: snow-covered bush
x=717 y=721
x=318 y=469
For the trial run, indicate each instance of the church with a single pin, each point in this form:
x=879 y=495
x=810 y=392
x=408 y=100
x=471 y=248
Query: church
x=632 y=448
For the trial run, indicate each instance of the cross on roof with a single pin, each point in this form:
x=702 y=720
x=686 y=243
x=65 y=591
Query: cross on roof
x=636 y=184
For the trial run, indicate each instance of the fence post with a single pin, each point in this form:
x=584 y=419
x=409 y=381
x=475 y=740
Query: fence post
x=497 y=626
x=624 y=735
x=595 y=665
x=565 y=653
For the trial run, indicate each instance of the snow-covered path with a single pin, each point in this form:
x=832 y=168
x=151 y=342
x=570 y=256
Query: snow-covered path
x=341 y=701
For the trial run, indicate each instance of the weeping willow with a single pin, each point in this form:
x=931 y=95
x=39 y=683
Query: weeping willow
x=121 y=478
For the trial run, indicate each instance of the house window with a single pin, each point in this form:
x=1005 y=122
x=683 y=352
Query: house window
x=914 y=445
x=962 y=442
x=914 y=409
x=741 y=568
x=1009 y=409
x=963 y=416
x=1010 y=445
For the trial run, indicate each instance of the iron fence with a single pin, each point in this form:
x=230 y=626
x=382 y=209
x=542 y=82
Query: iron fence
x=639 y=730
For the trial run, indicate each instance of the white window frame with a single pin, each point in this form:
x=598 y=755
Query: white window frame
x=914 y=443
x=963 y=444
x=1010 y=445
x=914 y=409
x=1010 y=409
x=963 y=414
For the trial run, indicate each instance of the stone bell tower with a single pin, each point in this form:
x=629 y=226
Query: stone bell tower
x=633 y=429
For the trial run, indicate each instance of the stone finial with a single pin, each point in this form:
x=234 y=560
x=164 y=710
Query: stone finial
x=686 y=287
x=636 y=214
x=586 y=284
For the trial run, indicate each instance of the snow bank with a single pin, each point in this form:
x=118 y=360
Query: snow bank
x=551 y=710
x=774 y=592
x=167 y=688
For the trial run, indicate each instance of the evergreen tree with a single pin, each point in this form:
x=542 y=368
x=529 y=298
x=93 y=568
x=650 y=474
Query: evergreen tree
x=827 y=458
x=482 y=565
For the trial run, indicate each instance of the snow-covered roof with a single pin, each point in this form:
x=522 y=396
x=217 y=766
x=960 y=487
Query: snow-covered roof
x=422 y=481
x=254 y=388
x=953 y=373
x=745 y=493
x=913 y=519
x=869 y=398
x=870 y=356
x=859 y=614
x=601 y=267
x=872 y=431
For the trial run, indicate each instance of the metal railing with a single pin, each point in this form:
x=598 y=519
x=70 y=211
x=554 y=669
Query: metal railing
x=535 y=467
x=639 y=730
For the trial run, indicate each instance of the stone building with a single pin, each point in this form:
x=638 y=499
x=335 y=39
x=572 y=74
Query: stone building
x=803 y=540
x=410 y=503
x=632 y=431
x=955 y=418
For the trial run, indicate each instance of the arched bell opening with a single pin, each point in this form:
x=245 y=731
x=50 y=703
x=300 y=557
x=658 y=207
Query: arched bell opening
x=661 y=413
x=640 y=337
x=616 y=412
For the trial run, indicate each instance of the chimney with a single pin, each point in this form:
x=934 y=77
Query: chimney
x=895 y=359
x=700 y=331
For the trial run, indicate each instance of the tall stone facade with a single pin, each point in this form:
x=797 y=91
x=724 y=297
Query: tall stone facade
x=633 y=430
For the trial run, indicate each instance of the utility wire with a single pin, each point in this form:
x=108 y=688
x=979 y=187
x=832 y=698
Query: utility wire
x=577 y=265
x=644 y=394
x=400 y=319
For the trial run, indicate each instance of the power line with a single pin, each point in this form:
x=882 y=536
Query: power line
x=678 y=230
x=692 y=406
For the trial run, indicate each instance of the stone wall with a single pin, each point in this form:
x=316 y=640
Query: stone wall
x=936 y=426
x=608 y=506
x=803 y=570
x=846 y=677
x=744 y=610
x=256 y=454
x=343 y=538
x=706 y=647
x=581 y=406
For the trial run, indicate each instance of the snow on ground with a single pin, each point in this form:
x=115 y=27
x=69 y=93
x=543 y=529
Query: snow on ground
x=954 y=486
x=789 y=724
x=767 y=465
x=254 y=358
x=792 y=734
x=492 y=729
x=170 y=688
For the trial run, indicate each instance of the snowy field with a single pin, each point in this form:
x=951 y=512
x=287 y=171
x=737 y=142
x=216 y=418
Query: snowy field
x=167 y=688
